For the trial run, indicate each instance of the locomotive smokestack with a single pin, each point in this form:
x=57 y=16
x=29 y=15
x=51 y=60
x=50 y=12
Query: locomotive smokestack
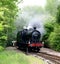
x=34 y=28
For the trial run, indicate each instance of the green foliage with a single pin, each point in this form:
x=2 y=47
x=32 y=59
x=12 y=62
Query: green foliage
x=8 y=10
x=1 y=27
x=51 y=6
x=58 y=15
x=49 y=27
x=54 y=39
x=1 y=48
x=52 y=36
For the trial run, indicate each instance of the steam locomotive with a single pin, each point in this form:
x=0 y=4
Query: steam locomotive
x=29 y=39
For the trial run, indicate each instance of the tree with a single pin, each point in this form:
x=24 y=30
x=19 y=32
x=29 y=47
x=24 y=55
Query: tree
x=58 y=15
x=54 y=39
x=51 y=7
x=8 y=11
x=49 y=27
x=53 y=30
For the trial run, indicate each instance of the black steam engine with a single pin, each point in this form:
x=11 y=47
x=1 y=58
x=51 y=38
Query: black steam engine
x=29 y=39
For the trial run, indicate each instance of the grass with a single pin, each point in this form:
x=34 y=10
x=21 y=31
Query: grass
x=12 y=57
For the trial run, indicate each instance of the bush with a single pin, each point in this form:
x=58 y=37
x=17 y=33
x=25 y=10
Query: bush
x=45 y=39
x=1 y=48
x=49 y=27
x=54 y=39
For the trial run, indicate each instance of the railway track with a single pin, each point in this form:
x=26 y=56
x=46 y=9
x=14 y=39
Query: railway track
x=53 y=58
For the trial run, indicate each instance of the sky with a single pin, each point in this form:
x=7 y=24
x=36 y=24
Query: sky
x=32 y=3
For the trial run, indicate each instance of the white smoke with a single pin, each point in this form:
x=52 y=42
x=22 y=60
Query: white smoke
x=38 y=23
